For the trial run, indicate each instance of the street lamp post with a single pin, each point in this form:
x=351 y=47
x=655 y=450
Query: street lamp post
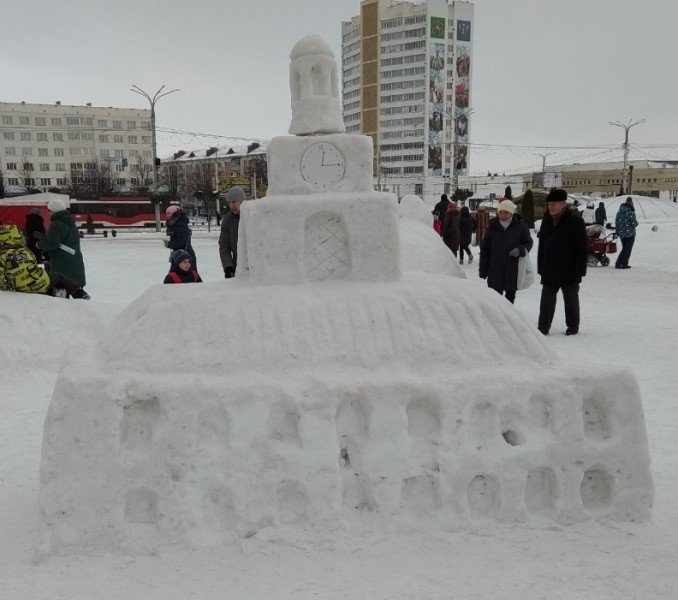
x=152 y=100
x=626 y=126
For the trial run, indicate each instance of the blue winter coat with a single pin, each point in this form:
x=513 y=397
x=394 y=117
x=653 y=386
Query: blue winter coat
x=625 y=223
x=180 y=235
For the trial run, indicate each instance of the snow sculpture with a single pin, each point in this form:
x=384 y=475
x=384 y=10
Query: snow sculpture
x=332 y=383
x=314 y=86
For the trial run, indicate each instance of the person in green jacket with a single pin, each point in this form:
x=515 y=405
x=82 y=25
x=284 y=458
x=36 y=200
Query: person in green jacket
x=63 y=243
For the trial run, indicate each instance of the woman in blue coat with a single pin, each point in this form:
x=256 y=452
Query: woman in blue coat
x=506 y=240
x=179 y=232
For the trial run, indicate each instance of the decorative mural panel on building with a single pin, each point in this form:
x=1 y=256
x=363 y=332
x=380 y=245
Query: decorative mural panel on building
x=436 y=96
x=462 y=93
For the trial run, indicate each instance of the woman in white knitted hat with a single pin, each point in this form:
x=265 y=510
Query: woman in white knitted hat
x=62 y=240
x=506 y=240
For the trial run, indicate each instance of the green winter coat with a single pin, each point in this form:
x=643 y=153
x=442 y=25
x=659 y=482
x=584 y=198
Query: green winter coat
x=62 y=231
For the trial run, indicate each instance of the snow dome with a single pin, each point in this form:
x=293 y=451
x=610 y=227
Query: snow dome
x=332 y=383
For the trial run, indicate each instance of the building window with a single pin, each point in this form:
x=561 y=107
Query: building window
x=6 y=120
x=102 y=123
x=117 y=139
x=146 y=125
x=45 y=181
x=10 y=150
x=58 y=151
x=104 y=153
x=145 y=139
x=12 y=181
x=43 y=151
x=58 y=137
x=418 y=189
x=25 y=136
x=121 y=181
x=80 y=121
x=76 y=136
x=119 y=153
x=103 y=138
x=131 y=139
x=44 y=166
x=134 y=153
x=131 y=124
x=61 y=181
x=40 y=121
x=11 y=166
x=24 y=121
x=27 y=152
x=56 y=121
x=41 y=136
x=28 y=166
x=8 y=135
x=60 y=167
x=117 y=124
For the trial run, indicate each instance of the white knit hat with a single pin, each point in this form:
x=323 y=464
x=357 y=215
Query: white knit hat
x=56 y=205
x=506 y=205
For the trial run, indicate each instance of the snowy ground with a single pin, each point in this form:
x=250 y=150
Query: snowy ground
x=628 y=319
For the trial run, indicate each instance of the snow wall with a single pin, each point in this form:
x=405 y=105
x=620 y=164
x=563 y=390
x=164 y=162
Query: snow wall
x=206 y=413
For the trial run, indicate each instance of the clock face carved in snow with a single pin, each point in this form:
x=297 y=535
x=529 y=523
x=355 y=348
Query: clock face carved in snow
x=322 y=165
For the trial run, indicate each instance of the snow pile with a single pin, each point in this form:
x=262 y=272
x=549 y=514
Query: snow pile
x=323 y=387
x=648 y=210
x=421 y=248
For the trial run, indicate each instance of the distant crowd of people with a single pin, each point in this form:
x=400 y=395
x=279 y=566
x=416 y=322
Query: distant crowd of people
x=562 y=252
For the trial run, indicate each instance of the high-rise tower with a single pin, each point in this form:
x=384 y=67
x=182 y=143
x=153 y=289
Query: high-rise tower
x=406 y=81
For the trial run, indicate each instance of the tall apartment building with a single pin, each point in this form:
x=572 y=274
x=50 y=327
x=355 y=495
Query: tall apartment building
x=75 y=149
x=407 y=74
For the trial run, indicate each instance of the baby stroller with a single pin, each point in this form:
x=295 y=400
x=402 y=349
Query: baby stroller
x=599 y=247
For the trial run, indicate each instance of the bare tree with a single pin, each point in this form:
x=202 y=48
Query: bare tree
x=26 y=177
x=144 y=169
x=256 y=165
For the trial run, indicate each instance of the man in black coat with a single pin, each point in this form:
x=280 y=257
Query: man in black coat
x=506 y=240
x=561 y=261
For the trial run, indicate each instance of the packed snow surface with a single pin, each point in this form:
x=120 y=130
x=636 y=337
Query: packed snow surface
x=627 y=321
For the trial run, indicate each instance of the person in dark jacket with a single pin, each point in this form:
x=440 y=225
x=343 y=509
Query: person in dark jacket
x=625 y=224
x=467 y=225
x=561 y=261
x=63 y=243
x=181 y=270
x=34 y=230
x=451 y=228
x=228 y=238
x=440 y=210
x=601 y=214
x=506 y=240
x=179 y=232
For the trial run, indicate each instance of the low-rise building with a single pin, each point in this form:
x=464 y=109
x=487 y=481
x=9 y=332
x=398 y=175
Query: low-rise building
x=82 y=150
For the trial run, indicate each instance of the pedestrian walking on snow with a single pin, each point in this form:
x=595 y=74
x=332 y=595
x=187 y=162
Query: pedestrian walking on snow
x=561 y=261
x=506 y=240
x=625 y=224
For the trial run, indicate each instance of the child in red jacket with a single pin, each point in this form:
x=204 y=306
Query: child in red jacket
x=181 y=270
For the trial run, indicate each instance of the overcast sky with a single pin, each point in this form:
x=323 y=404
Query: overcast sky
x=546 y=73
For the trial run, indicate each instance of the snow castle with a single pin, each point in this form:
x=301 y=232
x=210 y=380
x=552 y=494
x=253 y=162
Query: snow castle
x=349 y=376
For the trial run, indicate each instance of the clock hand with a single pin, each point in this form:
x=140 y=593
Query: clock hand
x=322 y=160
